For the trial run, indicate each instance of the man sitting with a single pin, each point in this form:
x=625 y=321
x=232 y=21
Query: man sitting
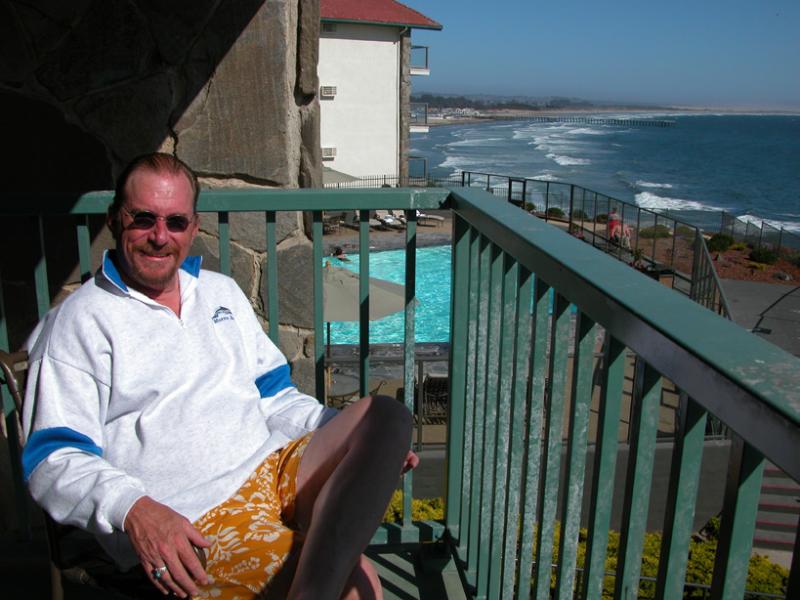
x=160 y=417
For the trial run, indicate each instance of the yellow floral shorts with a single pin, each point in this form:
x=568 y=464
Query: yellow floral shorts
x=253 y=545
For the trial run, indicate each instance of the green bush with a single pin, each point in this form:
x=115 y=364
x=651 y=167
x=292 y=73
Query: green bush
x=580 y=214
x=719 y=242
x=794 y=259
x=763 y=576
x=555 y=212
x=655 y=231
x=739 y=246
x=601 y=218
x=685 y=231
x=765 y=256
x=529 y=206
x=422 y=509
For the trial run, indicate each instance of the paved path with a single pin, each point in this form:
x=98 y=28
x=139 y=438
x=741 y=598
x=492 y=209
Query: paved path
x=770 y=310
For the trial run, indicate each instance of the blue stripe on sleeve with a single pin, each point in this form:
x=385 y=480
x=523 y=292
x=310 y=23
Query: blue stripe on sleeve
x=272 y=382
x=44 y=442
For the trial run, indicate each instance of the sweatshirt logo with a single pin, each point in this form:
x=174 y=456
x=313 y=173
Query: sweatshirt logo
x=222 y=314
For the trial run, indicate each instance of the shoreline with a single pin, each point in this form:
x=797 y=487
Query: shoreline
x=492 y=115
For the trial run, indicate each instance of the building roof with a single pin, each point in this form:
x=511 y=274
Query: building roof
x=375 y=12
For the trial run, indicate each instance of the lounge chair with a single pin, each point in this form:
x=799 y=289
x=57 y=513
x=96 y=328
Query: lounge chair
x=426 y=219
x=389 y=220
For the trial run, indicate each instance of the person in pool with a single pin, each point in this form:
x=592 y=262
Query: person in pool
x=339 y=254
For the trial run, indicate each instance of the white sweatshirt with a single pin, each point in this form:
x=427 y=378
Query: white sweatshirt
x=126 y=399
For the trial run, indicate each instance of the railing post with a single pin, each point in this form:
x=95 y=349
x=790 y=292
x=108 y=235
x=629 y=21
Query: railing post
x=742 y=493
x=571 y=202
x=698 y=240
x=546 y=199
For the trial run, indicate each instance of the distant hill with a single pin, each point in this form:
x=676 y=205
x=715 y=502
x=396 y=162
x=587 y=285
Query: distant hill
x=488 y=102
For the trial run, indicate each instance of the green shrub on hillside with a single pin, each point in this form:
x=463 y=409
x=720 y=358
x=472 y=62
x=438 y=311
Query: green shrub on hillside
x=580 y=214
x=555 y=212
x=685 y=231
x=739 y=246
x=719 y=242
x=601 y=218
x=655 y=231
x=765 y=256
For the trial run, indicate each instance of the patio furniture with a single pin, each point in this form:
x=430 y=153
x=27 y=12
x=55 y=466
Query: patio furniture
x=429 y=220
x=389 y=220
x=77 y=562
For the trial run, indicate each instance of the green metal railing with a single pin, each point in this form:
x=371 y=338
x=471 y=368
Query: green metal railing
x=512 y=390
x=542 y=326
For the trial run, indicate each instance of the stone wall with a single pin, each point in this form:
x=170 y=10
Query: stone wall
x=228 y=86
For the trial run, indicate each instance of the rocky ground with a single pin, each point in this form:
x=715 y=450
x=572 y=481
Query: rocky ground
x=735 y=264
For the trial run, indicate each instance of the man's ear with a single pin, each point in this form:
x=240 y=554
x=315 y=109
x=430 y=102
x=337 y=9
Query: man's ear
x=112 y=221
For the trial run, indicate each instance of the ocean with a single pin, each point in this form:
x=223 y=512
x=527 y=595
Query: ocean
x=747 y=165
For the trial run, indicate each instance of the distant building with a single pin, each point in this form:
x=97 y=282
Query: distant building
x=365 y=65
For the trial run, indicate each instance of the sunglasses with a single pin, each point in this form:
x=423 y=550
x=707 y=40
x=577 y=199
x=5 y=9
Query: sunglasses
x=144 y=219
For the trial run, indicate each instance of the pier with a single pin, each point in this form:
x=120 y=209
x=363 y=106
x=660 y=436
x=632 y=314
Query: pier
x=588 y=120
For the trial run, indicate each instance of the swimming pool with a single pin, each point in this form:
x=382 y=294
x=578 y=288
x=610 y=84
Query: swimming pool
x=432 y=323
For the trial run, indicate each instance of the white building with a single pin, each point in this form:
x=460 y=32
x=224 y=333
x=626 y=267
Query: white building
x=365 y=64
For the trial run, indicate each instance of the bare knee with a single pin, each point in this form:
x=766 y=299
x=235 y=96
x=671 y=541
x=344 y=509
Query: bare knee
x=364 y=583
x=387 y=416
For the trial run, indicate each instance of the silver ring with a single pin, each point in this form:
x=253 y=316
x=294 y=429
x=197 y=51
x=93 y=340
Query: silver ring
x=159 y=572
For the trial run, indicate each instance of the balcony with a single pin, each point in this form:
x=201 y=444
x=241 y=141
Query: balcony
x=419 y=60
x=418 y=118
x=553 y=347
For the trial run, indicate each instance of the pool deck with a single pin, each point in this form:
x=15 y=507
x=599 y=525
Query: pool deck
x=435 y=234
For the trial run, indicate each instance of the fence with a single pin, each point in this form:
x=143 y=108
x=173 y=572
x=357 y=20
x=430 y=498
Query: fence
x=781 y=240
x=522 y=365
x=665 y=248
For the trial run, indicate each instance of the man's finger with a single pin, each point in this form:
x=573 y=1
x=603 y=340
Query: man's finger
x=150 y=571
x=177 y=577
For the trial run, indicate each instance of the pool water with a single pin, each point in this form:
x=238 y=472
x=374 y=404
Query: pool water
x=432 y=323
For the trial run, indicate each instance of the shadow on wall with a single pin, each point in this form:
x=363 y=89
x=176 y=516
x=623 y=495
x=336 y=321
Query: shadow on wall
x=49 y=155
x=84 y=88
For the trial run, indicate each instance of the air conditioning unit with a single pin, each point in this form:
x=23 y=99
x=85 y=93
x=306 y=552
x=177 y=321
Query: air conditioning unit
x=327 y=91
x=329 y=152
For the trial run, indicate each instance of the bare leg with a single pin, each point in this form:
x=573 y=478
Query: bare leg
x=345 y=480
x=364 y=583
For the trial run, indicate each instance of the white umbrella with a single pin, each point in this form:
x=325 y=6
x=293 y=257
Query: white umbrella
x=340 y=294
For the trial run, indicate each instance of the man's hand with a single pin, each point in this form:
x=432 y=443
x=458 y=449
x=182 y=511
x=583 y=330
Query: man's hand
x=162 y=537
x=411 y=462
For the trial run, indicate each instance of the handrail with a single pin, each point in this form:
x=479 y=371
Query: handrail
x=683 y=280
x=510 y=381
x=654 y=322
x=522 y=361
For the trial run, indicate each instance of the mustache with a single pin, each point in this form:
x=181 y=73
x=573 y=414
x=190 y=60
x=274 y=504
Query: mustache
x=149 y=247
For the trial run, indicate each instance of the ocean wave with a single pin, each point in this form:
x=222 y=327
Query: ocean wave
x=461 y=162
x=654 y=202
x=566 y=161
x=587 y=131
x=545 y=176
x=792 y=226
x=648 y=184
x=473 y=142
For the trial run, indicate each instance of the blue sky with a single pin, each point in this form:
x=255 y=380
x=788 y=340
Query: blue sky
x=723 y=53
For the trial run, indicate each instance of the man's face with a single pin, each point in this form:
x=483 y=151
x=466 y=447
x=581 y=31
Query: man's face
x=151 y=256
